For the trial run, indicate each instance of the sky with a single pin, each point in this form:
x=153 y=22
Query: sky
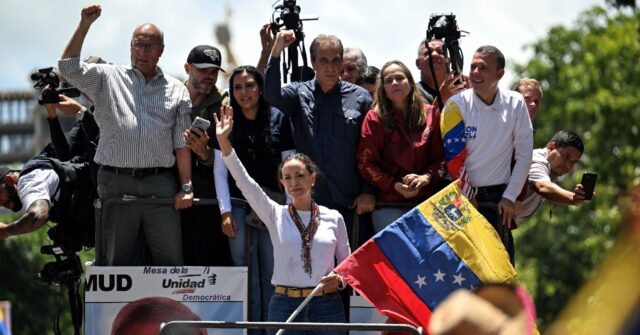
x=33 y=33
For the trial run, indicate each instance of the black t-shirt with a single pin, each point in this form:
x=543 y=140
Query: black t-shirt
x=259 y=148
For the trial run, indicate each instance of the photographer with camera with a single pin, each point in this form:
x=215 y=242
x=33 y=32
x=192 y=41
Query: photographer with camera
x=484 y=129
x=142 y=114
x=434 y=72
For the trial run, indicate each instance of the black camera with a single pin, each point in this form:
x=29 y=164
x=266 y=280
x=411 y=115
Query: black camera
x=65 y=269
x=287 y=16
x=444 y=27
x=50 y=95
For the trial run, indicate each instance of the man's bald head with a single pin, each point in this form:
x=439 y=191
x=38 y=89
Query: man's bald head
x=149 y=30
x=147 y=45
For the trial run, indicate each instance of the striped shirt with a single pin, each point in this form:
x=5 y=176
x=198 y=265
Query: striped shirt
x=141 y=124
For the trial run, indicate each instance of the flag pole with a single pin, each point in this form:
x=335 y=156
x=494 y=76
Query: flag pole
x=304 y=303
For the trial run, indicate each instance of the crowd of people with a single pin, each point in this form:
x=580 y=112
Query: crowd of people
x=317 y=161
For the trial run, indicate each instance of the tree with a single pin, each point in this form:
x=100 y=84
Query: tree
x=34 y=304
x=590 y=74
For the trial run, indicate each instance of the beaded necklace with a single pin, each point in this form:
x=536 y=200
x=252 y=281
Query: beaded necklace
x=306 y=234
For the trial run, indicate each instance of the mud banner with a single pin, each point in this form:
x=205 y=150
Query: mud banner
x=127 y=297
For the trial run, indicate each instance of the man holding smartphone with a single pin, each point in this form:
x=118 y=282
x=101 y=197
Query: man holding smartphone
x=548 y=164
x=203 y=241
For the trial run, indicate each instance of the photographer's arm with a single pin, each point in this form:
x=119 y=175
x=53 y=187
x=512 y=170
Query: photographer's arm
x=267 y=44
x=554 y=193
x=88 y=15
x=34 y=218
x=274 y=93
x=61 y=144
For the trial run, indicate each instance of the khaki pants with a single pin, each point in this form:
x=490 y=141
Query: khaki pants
x=122 y=223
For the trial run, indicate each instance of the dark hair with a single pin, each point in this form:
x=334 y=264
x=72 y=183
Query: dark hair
x=330 y=40
x=491 y=50
x=415 y=104
x=308 y=164
x=567 y=138
x=369 y=76
x=152 y=310
x=264 y=110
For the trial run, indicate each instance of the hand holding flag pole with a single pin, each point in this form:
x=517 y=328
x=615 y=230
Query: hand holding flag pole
x=304 y=303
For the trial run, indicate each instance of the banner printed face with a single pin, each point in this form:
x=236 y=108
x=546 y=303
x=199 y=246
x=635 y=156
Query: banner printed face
x=213 y=293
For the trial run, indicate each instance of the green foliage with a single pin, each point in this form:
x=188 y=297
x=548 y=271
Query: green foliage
x=34 y=305
x=590 y=74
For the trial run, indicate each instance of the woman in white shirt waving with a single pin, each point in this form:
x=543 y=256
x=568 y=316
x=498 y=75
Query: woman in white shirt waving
x=307 y=239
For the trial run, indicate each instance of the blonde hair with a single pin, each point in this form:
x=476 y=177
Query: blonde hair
x=527 y=82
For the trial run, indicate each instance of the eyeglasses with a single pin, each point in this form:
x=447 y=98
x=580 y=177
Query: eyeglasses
x=145 y=46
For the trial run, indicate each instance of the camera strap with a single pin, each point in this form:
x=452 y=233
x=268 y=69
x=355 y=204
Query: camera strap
x=438 y=97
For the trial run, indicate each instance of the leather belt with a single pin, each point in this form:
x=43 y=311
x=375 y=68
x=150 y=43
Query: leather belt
x=491 y=189
x=136 y=172
x=293 y=292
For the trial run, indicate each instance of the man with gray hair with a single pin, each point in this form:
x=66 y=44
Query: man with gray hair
x=327 y=115
x=354 y=63
x=142 y=114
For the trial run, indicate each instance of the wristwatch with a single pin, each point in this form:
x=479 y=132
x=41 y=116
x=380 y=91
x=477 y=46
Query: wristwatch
x=187 y=188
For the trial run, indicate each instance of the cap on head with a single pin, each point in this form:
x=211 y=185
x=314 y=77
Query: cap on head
x=205 y=56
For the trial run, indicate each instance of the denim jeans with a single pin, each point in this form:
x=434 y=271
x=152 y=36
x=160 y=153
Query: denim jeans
x=384 y=216
x=260 y=271
x=238 y=245
x=325 y=308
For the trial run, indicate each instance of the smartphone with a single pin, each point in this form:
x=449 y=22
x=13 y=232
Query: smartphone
x=589 y=184
x=201 y=123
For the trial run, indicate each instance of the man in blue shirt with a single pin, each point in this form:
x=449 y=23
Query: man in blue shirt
x=327 y=115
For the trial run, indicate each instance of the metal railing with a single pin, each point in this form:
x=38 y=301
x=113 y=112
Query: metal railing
x=103 y=207
x=167 y=327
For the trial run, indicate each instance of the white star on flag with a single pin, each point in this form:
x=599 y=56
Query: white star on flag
x=439 y=275
x=458 y=279
x=421 y=281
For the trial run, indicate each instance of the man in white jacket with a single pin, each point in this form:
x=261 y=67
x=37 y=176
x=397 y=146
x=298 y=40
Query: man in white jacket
x=490 y=147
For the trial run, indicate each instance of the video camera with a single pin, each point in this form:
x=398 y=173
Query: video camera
x=444 y=27
x=287 y=16
x=51 y=94
x=65 y=269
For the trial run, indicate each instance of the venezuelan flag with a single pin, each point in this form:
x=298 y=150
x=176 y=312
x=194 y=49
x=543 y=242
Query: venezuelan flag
x=411 y=266
x=455 y=151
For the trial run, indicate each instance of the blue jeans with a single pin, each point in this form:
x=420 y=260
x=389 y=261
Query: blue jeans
x=261 y=264
x=239 y=244
x=260 y=271
x=325 y=308
x=385 y=216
